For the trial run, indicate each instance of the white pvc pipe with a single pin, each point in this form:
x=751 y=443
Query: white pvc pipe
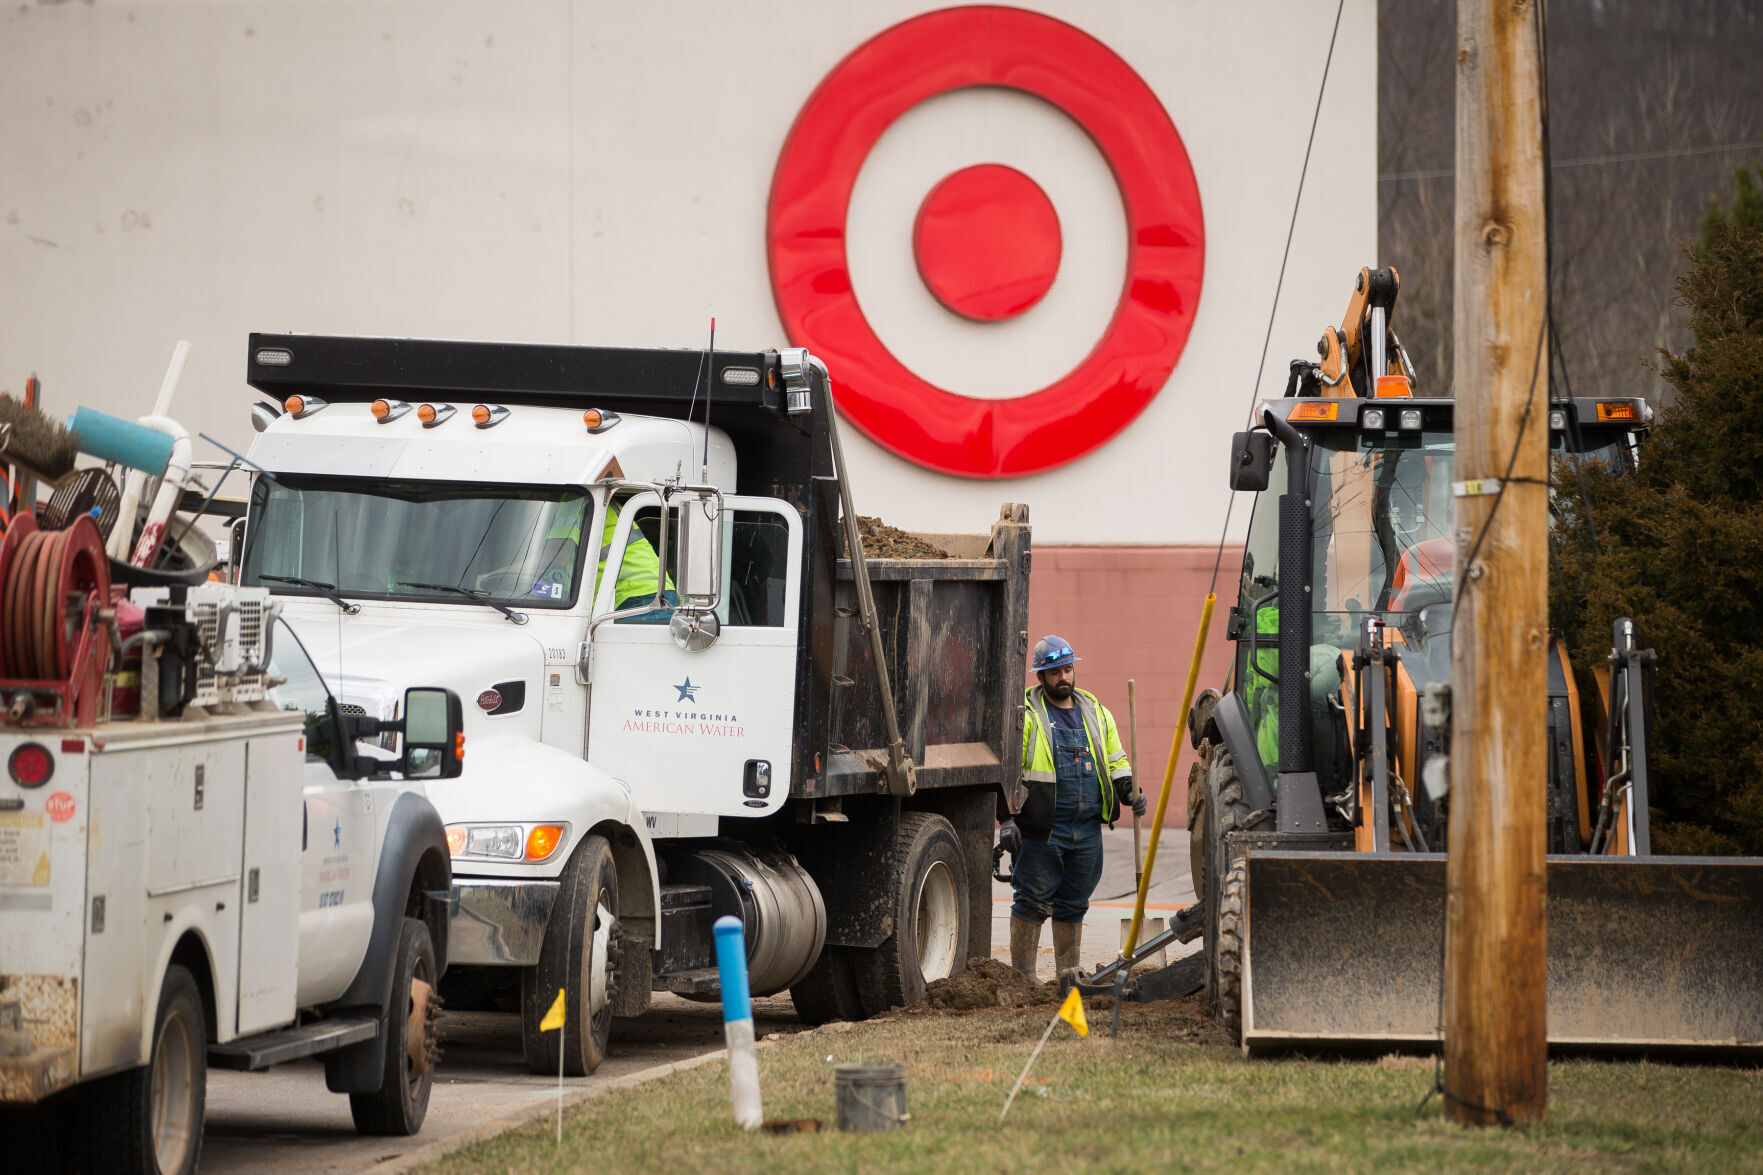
x=171 y=489
x=134 y=482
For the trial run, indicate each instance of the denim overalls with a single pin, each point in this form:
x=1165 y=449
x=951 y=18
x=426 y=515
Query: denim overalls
x=1055 y=877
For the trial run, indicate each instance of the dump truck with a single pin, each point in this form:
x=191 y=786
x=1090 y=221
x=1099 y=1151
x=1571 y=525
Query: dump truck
x=1321 y=799
x=692 y=693
x=196 y=869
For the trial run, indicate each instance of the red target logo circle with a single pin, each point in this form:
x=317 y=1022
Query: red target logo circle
x=811 y=191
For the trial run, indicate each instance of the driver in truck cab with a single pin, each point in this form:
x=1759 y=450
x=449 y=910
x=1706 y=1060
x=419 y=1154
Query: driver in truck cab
x=638 y=574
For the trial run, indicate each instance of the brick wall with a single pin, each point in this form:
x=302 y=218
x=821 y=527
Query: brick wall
x=1133 y=612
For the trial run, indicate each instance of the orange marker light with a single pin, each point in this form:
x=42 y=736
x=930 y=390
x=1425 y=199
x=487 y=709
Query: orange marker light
x=1393 y=387
x=426 y=414
x=1316 y=410
x=294 y=405
x=455 y=840
x=1616 y=410
x=481 y=414
x=459 y=746
x=591 y=418
x=542 y=841
x=381 y=409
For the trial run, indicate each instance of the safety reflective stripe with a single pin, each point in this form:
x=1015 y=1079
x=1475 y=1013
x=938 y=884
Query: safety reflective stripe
x=1040 y=766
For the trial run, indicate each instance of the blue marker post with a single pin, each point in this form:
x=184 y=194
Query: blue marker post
x=737 y=1022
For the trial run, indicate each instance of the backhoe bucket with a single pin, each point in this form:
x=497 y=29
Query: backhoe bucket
x=1646 y=954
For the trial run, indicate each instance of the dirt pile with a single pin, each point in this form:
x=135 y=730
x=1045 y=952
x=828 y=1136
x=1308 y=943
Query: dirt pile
x=985 y=983
x=881 y=541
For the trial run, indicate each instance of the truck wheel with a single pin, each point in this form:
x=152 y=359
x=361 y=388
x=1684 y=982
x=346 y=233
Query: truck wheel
x=150 y=1119
x=927 y=883
x=1228 y=986
x=582 y=950
x=829 y=991
x=407 y=1031
x=1223 y=811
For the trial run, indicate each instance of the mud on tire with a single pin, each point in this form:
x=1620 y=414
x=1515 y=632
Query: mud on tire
x=567 y=961
x=399 y=1105
x=1226 y=993
x=926 y=880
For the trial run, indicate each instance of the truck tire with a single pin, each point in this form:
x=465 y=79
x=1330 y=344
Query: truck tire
x=1228 y=986
x=927 y=882
x=829 y=991
x=149 y=1120
x=1223 y=810
x=34 y=1134
x=407 y=1030
x=567 y=960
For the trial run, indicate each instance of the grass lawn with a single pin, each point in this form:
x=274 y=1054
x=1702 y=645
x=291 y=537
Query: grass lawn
x=1168 y=1094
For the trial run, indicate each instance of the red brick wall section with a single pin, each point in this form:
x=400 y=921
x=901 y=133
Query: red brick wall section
x=1133 y=612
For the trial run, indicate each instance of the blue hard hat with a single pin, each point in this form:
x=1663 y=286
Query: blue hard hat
x=1052 y=652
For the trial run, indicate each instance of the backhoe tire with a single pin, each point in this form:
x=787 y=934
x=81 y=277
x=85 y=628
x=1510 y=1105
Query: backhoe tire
x=1228 y=986
x=1223 y=811
x=829 y=990
x=926 y=880
x=407 y=1026
x=149 y=1119
x=568 y=961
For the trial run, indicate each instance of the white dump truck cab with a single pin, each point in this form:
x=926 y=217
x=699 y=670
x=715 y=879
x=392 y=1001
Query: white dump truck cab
x=627 y=563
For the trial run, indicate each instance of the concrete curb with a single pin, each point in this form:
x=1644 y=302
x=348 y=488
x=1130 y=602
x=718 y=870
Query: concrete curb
x=443 y=1147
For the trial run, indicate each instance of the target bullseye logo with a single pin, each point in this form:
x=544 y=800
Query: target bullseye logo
x=987 y=240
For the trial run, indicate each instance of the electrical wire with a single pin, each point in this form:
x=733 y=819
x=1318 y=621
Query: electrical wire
x=1278 y=285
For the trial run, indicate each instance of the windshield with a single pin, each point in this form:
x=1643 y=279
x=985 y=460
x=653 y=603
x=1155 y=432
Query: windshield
x=296 y=684
x=443 y=541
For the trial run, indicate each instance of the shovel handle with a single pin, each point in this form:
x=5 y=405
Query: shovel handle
x=1132 y=736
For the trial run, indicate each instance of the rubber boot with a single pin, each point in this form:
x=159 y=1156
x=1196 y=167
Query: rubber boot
x=1067 y=945
x=1025 y=944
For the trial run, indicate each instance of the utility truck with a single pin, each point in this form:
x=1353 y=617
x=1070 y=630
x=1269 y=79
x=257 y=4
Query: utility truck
x=196 y=867
x=690 y=692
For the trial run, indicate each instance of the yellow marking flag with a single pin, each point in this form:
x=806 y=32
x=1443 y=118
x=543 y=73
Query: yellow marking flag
x=1072 y=1012
x=554 y=1018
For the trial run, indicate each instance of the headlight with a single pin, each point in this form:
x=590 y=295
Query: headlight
x=1371 y=418
x=1410 y=418
x=495 y=840
x=507 y=842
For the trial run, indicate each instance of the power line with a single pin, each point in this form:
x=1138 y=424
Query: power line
x=1435 y=173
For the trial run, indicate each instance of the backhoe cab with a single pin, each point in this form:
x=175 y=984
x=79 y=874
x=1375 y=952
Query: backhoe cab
x=1320 y=806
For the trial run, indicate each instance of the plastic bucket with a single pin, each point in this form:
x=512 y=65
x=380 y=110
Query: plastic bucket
x=870 y=1096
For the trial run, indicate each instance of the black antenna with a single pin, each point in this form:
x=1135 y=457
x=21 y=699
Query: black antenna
x=709 y=383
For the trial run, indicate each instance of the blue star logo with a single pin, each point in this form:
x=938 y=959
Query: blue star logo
x=337 y=835
x=687 y=692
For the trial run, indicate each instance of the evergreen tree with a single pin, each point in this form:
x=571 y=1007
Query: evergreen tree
x=1679 y=548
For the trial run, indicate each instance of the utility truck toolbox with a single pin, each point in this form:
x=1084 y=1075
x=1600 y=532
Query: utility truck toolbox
x=692 y=694
x=197 y=864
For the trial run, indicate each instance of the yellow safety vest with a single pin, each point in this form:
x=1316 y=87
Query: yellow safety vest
x=1099 y=732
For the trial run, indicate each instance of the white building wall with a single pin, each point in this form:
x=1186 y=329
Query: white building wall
x=547 y=171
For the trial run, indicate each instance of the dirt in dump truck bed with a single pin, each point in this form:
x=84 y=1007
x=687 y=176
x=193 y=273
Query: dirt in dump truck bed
x=881 y=541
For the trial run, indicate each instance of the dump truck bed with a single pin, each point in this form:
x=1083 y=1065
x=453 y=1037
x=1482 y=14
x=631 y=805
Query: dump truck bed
x=954 y=631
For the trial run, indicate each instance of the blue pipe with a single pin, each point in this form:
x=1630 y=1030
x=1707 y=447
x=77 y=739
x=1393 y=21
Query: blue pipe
x=111 y=438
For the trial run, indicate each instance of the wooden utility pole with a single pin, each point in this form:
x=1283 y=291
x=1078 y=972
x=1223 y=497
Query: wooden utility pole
x=1496 y=1038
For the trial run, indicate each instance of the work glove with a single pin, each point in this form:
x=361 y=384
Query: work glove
x=1124 y=793
x=1010 y=837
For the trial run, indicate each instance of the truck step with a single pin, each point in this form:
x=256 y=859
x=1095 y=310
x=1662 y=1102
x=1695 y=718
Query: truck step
x=251 y=1053
x=704 y=981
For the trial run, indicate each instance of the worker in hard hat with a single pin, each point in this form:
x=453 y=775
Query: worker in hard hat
x=1075 y=778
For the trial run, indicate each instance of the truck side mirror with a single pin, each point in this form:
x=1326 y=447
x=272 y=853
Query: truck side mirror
x=434 y=734
x=1251 y=460
x=699 y=574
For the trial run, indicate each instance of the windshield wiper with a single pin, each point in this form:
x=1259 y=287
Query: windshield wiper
x=327 y=590
x=476 y=597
